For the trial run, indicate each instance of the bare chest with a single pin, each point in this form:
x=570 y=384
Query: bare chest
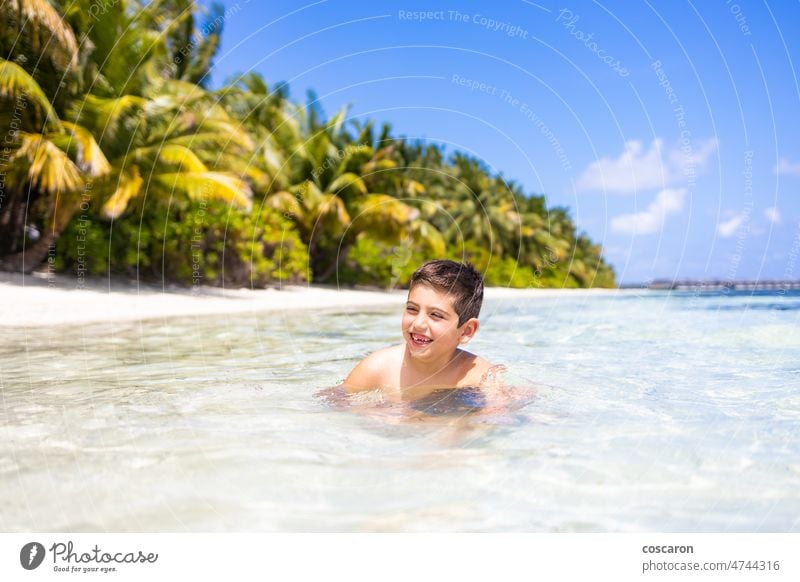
x=416 y=382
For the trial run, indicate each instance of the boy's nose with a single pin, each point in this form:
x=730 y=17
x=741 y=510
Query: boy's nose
x=419 y=322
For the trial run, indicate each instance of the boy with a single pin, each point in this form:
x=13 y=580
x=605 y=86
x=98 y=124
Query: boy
x=444 y=301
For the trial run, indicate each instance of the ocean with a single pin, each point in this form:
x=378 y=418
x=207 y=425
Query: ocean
x=644 y=412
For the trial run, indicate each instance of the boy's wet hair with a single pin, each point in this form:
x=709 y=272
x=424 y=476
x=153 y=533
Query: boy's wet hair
x=460 y=280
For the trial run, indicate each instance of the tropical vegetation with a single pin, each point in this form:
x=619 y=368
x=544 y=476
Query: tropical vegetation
x=118 y=158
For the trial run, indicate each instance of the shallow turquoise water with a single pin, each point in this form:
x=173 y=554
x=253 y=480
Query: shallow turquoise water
x=654 y=412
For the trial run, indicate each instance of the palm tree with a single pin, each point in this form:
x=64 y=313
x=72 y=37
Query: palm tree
x=39 y=171
x=269 y=120
x=333 y=206
x=171 y=139
x=30 y=121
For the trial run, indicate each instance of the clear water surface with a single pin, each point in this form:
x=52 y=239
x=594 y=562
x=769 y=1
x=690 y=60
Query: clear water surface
x=653 y=412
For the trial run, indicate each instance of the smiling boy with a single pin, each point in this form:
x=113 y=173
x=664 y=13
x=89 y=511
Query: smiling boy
x=441 y=313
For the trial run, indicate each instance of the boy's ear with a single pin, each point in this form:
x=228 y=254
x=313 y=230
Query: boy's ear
x=469 y=329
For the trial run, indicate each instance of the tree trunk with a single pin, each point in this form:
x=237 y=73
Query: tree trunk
x=334 y=266
x=12 y=222
x=31 y=257
x=27 y=260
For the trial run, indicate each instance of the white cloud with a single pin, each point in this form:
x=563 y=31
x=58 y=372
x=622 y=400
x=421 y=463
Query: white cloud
x=773 y=215
x=728 y=228
x=668 y=201
x=784 y=166
x=638 y=168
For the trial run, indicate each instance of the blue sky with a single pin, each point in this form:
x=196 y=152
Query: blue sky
x=670 y=129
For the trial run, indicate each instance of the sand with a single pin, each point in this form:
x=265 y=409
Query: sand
x=46 y=299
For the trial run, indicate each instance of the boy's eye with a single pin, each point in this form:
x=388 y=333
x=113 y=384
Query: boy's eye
x=436 y=315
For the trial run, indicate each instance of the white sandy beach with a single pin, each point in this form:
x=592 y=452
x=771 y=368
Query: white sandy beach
x=44 y=300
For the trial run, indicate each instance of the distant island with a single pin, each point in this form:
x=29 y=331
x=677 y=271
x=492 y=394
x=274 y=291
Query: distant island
x=716 y=285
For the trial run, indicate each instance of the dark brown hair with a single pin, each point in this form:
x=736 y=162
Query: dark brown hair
x=460 y=280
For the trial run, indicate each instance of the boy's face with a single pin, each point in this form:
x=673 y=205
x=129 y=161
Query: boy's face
x=430 y=325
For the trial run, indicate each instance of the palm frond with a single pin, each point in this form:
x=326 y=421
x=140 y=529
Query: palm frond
x=106 y=116
x=181 y=156
x=239 y=165
x=90 y=157
x=181 y=92
x=287 y=203
x=333 y=213
x=208 y=185
x=41 y=15
x=16 y=83
x=202 y=140
x=425 y=234
x=48 y=167
x=129 y=184
x=414 y=188
x=336 y=122
x=348 y=180
x=272 y=156
x=235 y=133
x=378 y=165
x=384 y=216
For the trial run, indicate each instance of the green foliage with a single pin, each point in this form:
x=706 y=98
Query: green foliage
x=197 y=243
x=497 y=271
x=83 y=247
x=376 y=263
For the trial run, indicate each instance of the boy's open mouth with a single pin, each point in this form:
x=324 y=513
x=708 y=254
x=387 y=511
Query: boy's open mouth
x=420 y=340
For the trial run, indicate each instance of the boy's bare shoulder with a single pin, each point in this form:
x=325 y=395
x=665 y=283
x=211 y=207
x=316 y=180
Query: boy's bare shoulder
x=475 y=369
x=385 y=356
x=374 y=370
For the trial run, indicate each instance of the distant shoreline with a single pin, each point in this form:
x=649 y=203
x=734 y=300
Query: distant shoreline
x=43 y=299
x=716 y=285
